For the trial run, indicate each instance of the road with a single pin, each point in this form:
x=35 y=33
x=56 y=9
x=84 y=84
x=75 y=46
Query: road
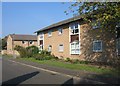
x=14 y=73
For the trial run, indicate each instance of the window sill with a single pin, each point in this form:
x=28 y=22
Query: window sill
x=59 y=34
x=49 y=36
x=60 y=51
x=75 y=54
x=96 y=51
x=75 y=34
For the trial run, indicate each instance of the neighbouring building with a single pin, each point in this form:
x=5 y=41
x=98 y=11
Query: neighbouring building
x=21 y=40
x=76 y=39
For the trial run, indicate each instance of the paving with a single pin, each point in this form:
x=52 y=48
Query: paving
x=87 y=77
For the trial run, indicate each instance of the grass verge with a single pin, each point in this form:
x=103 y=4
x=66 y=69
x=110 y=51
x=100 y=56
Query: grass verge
x=85 y=67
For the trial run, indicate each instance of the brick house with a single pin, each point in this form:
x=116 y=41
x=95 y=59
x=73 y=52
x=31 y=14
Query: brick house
x=21 y=40
x=76 y=39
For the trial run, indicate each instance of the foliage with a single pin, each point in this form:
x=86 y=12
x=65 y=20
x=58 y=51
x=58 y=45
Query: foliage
x=105 y=13
x=67 y=60
x=45 y=52
x=32 y=50
x=4 y=44
x=75 y=61
x=21 y=50
x=84 y=67
x=45 y=55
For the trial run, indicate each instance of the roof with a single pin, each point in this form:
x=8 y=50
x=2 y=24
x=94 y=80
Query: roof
x=69 y=20
x=23 y=37
x=62 y=22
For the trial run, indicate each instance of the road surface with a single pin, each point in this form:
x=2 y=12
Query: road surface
x=14 y=73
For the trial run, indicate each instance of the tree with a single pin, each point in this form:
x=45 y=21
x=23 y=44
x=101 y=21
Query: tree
x=4 y=44
x=105 y=13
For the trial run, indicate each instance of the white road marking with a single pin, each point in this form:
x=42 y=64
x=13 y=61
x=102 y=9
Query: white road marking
x=74 y=77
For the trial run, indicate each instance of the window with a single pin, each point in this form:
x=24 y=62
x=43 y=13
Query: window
x=41 y=36
x=23 y=42
x=75 y=49
x=7 y=43
x=50 y=33
x=49 y=48
x=61 y=48
x=41 y=47
x=31 y=42
x=60 y=31
x=97 y=46
x=74 y=28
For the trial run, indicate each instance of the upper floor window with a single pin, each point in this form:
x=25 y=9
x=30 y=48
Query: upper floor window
x=97 y=46
x=49 y=33
x=61 y=48
x=41 y=36
x=23 y=42
x=74 y=28
x=31 y=42
x=60 y=31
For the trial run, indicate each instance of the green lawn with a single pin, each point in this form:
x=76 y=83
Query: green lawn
x=85 y=67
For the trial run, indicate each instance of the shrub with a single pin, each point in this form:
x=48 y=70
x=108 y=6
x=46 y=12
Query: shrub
x=32 y=50
x=54 y=57
x=45 y=52
x=47 y=57
x=75 y=61
x=21 y=50
x=42 y=57
x=38 y=57
x=67 y=59
x=84 y=62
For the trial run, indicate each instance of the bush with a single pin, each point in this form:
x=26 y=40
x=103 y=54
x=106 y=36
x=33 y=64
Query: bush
x=38 y=57
x=42 y=57
x=45 y=52
x=32 y=50
x=21 y=50
x=67 y=59
x=75 y=61
x=54 y=57
x=84 y=62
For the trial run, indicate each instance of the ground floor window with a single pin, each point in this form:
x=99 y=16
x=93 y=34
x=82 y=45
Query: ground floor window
x=97 y=46
x=75 y=48
x=49 y=48
x=61 y=48
x=41 y=47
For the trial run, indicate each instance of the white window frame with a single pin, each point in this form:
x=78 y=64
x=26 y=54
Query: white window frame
x=50 y=33
x=60 y=31
x=41 y=35
x=75 y=49
x=73 y=29
x=49 y=48
x=40 y=39
x=7 y=43
x=94 y=46
x=41 y=47
x=60 y=48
